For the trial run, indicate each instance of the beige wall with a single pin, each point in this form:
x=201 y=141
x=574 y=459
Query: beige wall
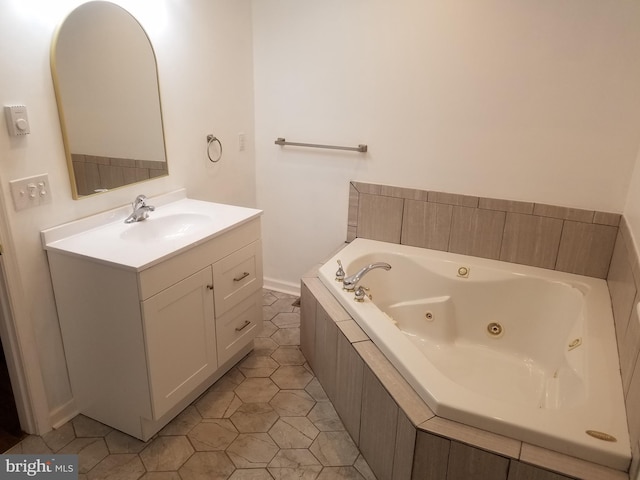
x=530 y=101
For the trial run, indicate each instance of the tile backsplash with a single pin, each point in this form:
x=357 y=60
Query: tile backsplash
x=548 y=236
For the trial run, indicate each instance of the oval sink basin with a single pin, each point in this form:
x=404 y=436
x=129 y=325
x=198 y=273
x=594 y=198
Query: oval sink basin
x=166 y=228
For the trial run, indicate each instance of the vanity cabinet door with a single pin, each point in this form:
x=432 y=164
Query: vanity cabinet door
x=180 y=339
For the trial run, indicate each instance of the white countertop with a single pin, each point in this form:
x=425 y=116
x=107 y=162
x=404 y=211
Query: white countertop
x=105 y=238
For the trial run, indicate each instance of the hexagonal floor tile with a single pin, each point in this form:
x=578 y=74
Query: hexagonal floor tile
x=257 y=390
x=254 y=417
x=294 y=463
x=292 y=403
x=334 y=449
x=264 y=346
x=122 y=466
x=252 y=450
x=290 y=377
x=183 y=423
x=287 y=336
x=212 y=435
x=258 y=366
x=286 y=320
x=207 y=466
x=268 y=328
x=325 y=417
x=251 y=474
x=294 y=432
x=288 y=356
x=215 y=404
x=166 y=453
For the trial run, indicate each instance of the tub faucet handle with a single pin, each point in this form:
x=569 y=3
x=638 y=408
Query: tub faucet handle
x=360 y=293
x=340 y=272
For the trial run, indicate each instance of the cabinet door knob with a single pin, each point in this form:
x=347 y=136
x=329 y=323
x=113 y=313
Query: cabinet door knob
x=210 y=287
x=241 y=276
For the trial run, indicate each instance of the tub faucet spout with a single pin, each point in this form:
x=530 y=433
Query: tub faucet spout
x=349 y=283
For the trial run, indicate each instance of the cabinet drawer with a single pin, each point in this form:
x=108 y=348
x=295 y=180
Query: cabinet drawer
x=238 y=326
x=237 y=276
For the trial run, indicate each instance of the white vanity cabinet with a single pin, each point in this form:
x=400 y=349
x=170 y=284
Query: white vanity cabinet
x=143 y=343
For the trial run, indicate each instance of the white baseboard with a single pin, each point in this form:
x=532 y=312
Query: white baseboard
x=282 y=286
x=63 y=414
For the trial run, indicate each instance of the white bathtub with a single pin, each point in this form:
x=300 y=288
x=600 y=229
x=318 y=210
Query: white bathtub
x=550 y=375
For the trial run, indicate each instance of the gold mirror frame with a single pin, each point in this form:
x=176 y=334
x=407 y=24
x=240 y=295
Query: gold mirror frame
x=105 y=78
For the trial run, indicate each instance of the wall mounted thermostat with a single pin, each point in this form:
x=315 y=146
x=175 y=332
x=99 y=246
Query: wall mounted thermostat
x=17 y=120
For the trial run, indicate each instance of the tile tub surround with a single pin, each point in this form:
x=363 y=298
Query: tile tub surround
x=267 y=418
x=397 y=433
x=558 y=238
x=624 y=287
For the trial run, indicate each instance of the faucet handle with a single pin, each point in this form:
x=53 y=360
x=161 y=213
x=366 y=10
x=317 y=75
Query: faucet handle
x=140 y=201
x=340 y=272
x=360 y=293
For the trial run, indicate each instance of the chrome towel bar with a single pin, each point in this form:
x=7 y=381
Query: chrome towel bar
x=360 y=148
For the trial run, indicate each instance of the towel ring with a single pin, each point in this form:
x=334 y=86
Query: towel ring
x=210 y=140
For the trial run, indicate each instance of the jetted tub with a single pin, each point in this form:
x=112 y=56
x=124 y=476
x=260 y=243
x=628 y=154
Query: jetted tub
x=525 y=352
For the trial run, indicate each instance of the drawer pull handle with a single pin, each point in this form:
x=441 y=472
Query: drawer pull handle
x=244 y=325
x=241 y=277
x=210 y=287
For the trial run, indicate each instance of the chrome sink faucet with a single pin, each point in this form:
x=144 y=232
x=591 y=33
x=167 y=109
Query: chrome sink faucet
x=140 y=210
x=349 y=283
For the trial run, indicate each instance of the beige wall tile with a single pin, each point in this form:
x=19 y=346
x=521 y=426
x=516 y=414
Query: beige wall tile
x=632 y=401
x=352 y=233
x=622 y=287
x=476 y=232
x=563 y=213
x=405 y=448
x=629 y=347
x=406 y=397
x=567 y=465
x=426 y=224
x=586 y=248
x=531 y=240
x=380 y=218
x=370 y=188
x=308 y=306
x=453 y=199
x=522 y=471
x=505 y=205
x=327 y=300
x=378 y=426
x=467 y=462
x=352 y=219
x=605 y=218
x=473 y=436
x=348 y=395
x=326 y=346
x=430 y=461
x=352 y=331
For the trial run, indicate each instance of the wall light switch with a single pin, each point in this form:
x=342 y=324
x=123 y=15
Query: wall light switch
x=17 y=120
x=30 y=192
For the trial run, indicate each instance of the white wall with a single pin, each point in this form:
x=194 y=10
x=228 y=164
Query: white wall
x=534 y=101
x=203 y=49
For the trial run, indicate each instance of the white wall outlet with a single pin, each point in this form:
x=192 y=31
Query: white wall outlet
x=30 y=192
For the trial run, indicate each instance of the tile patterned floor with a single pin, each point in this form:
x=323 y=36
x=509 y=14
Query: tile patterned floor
x=268 y=418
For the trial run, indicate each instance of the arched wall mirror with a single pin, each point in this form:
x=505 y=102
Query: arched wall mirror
x=106 y=83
